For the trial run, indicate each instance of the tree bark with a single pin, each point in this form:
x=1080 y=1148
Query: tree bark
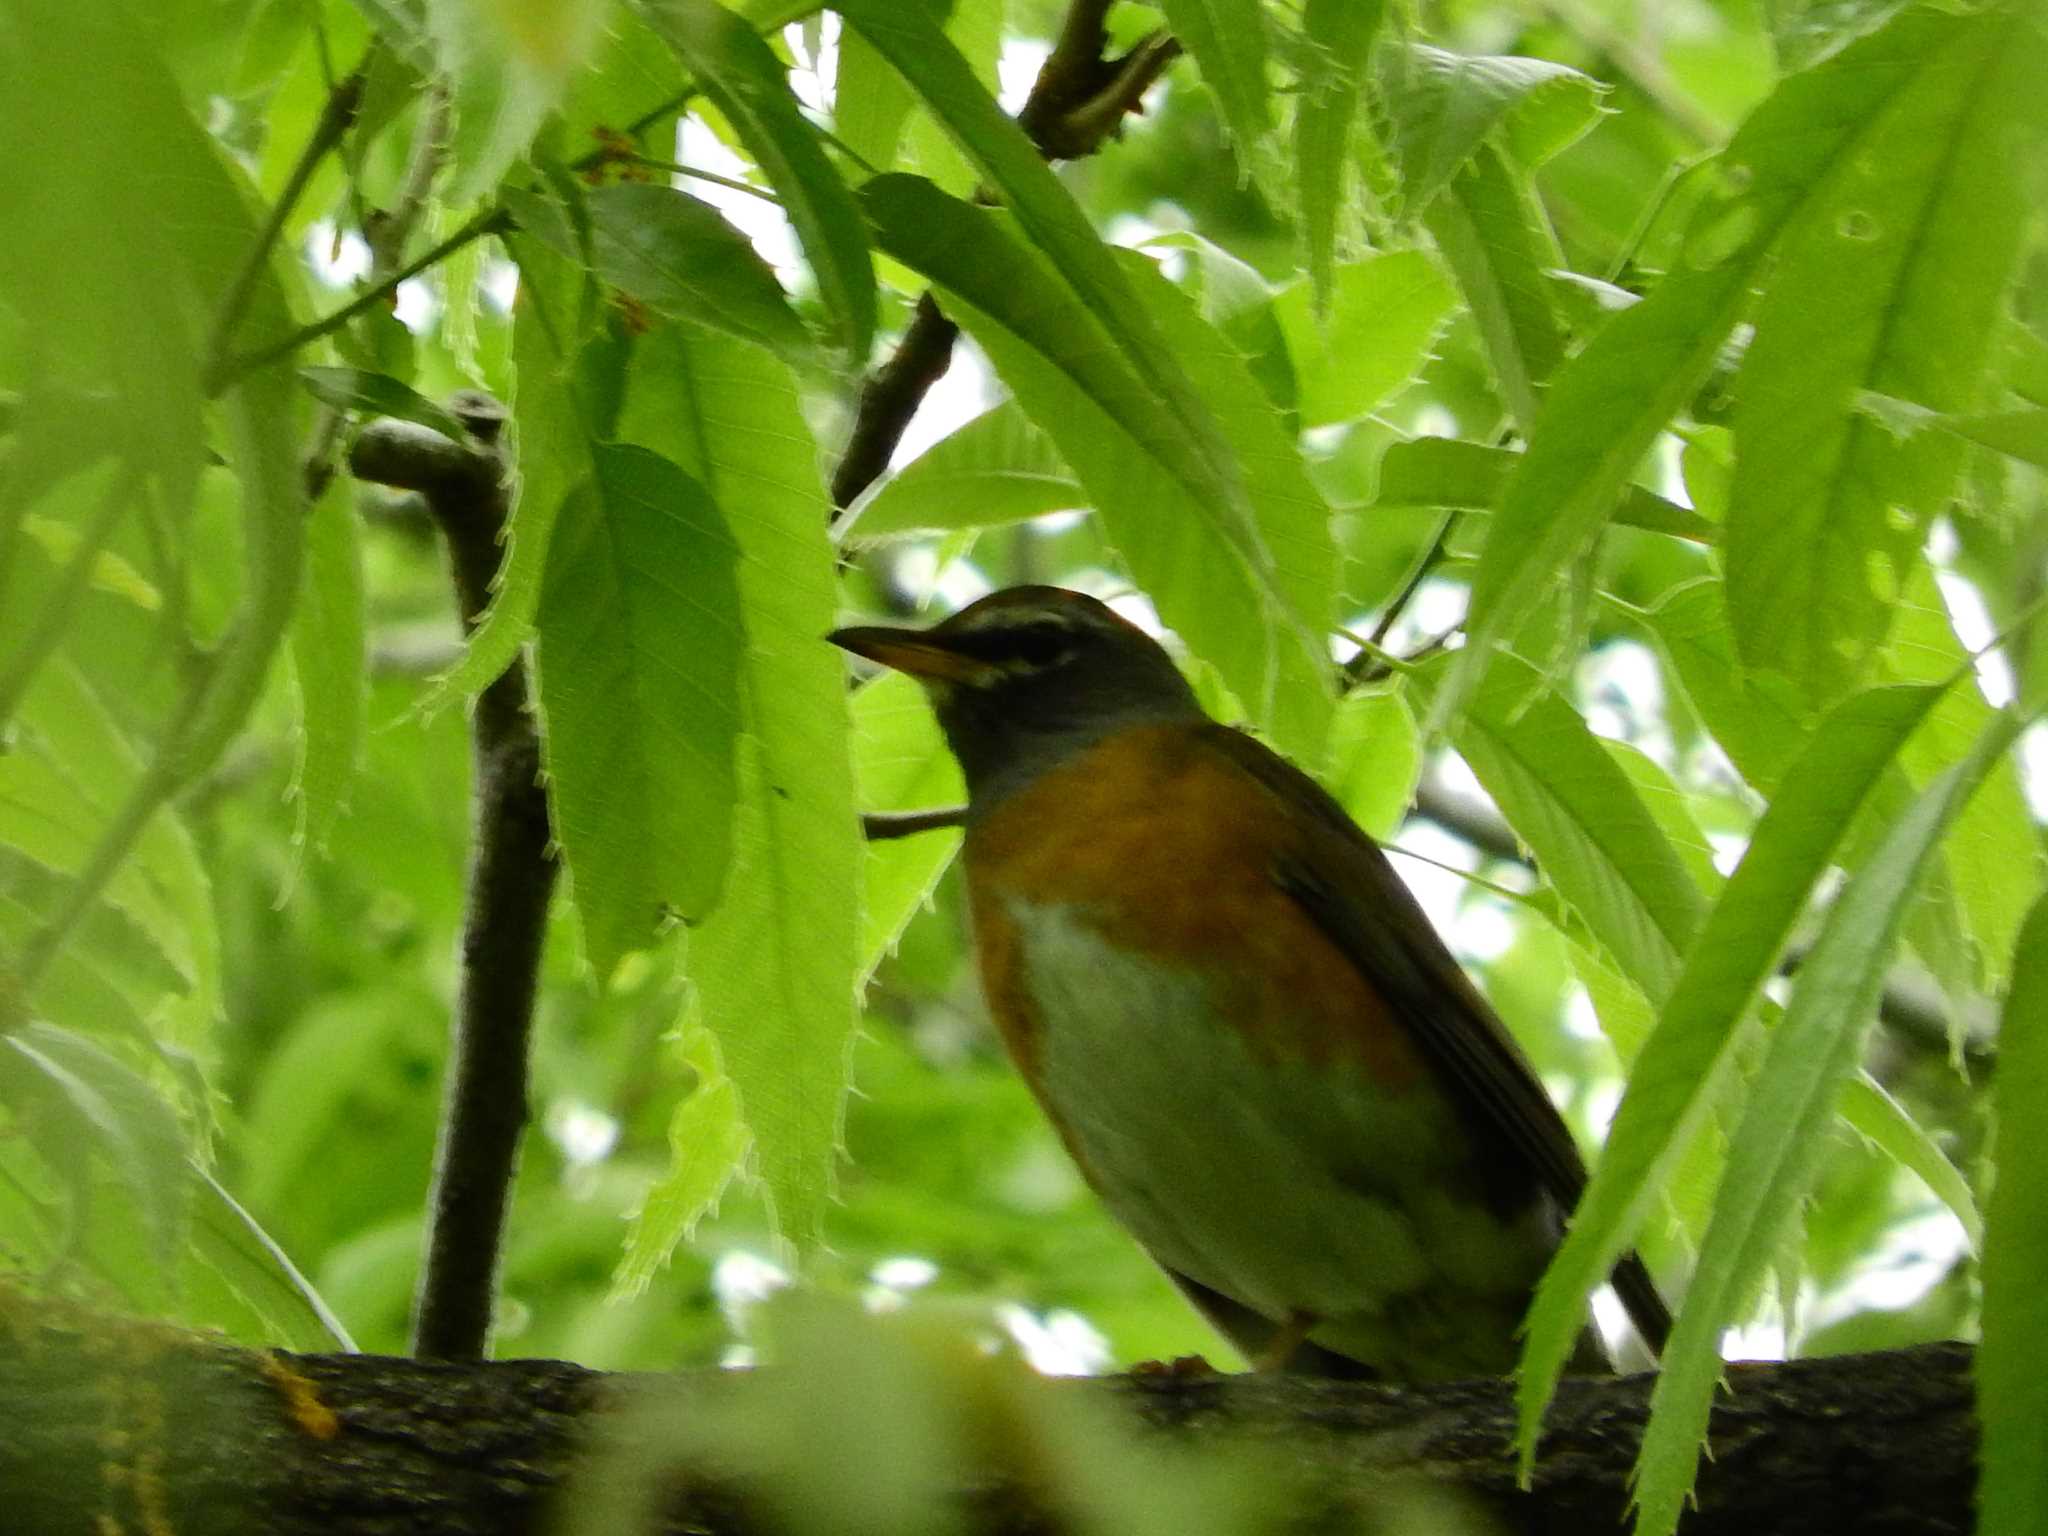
x=109 y=1426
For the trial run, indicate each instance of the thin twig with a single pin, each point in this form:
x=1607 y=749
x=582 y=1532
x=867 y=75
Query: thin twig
x=387 y=235
x=488 y=221
x=654 y=114
x=886 y=826
x=388 y=232
x=1372 y=651
x=336 y=118
x=695 y=173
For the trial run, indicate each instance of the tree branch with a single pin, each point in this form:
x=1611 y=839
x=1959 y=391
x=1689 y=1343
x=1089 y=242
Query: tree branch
x=890 y=398
x=512 y=871
x=1081 y=98
x=1077 y=103
x=111 y=1423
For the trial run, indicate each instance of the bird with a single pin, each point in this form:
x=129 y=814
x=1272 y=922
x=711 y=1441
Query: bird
x=1253 y=1043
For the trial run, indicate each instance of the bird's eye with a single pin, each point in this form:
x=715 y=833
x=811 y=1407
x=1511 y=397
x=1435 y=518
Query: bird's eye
x=1041 y=645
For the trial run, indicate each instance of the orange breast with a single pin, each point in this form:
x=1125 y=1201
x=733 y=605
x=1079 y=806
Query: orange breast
x=1167 y=849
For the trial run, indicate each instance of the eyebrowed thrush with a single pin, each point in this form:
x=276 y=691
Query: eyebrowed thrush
x=1239 y=1020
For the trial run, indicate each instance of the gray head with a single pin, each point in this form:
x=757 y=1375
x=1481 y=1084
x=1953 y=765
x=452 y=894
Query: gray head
x=1027 y=676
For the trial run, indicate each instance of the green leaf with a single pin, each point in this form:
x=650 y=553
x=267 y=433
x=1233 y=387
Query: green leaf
x=125 y=315
x=743 y=78
x=110 y=573
x=1339 y=35
x=506 y=69
x=1385 y=313
x=340 y=1067
x=1993 y=852
x=2018 y=434
x=560 y=374
x=1232 y=296
x=43 y=815
x=1672 y=810
x=1774 y=1153
x=67 y=775
x=365 y=393
x=1442 y=107
x=708 y=1140
x=2012 y=1387
x=331 y=665
x=1227 y=40
x=1594 y=839
x=1498 y=245
x=682 y=259
x=1451 y=472
x=1756 y=717
x=1804 y=31
x=1051 y=220
x=402 y=24
x=998 y=468
x=1872 y=1112
x=1627 y=1019
x=640 y=645
x=1252 y=597
x=232 y=1244
x=1603 y=410
x=1375 y=759
x=1889 y=278
x=80 y=988
x=1677 y=1074
x=1290 y=694
x=870 y=102
x=130 y=316
x=901 y=763
x=971 y=252
x=102 y=1108
x=1607 y=404
x=975 y=28
x=774 y=963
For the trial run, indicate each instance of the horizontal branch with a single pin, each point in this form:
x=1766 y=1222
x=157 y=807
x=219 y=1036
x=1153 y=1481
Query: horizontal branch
x=147 y=1429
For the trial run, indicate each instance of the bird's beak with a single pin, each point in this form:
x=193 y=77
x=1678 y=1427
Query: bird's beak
x=912 y=651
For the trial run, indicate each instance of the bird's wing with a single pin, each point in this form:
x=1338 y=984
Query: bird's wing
x=1343 y=881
